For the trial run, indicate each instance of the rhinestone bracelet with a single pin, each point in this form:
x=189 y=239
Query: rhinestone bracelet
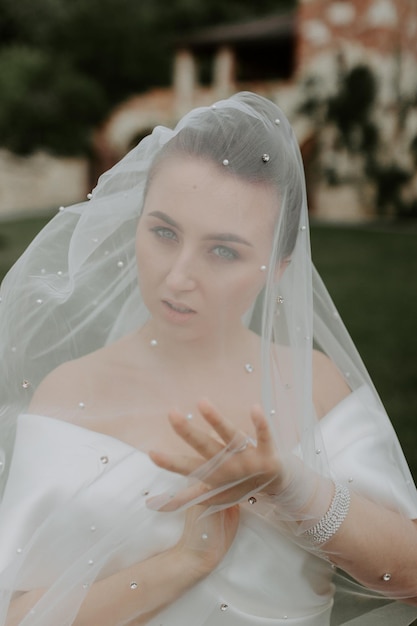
x=332 y=520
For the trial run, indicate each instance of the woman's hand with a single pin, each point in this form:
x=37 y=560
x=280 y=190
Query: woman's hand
x=232 y=466
x=206 y=538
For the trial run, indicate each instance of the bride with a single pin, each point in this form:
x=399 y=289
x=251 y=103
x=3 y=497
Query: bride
x=188 y=434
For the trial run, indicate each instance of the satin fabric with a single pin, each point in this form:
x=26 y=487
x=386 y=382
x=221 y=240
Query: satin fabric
x=69 y=487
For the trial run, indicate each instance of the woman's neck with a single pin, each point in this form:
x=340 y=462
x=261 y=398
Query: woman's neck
x=210 y=350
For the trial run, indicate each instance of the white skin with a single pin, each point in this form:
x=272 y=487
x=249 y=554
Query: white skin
x=202 y=239
x=200 y=246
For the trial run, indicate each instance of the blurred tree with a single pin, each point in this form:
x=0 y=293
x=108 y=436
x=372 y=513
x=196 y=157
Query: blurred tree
x=351 y=109
x=355 y=147
x=45 y=103
x=87 y=56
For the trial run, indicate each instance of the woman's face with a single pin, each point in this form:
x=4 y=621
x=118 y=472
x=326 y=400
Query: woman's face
x=203 y=241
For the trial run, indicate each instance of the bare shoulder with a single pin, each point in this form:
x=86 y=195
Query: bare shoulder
x=329 y=386
x=76 y=382
x=57 y=393
x=87 y=381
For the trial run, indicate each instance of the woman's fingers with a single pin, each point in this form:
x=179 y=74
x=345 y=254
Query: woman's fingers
x=180 y=464
x=200 y=493
x=171 y=502
x=265 y=442
x=208 y=537
x=223 y=427
x=197 y=439
x=207 y=446
x=228 y=432
x=224 y=473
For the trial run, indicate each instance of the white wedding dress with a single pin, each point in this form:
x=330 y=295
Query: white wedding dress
x=70 y=488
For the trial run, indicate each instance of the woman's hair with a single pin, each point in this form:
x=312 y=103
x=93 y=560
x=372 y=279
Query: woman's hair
x=251 y=144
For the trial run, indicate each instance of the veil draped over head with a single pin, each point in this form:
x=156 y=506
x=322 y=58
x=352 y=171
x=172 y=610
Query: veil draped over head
x=76 y=290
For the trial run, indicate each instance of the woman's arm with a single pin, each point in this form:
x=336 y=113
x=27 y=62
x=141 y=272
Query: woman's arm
x=378 y=547
x=137 y=593
x=375 y=545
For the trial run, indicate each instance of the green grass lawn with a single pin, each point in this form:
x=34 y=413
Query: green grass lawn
x=15 y=235
x=371 y=273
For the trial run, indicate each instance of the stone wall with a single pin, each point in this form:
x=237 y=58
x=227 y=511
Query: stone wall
x=40 y=183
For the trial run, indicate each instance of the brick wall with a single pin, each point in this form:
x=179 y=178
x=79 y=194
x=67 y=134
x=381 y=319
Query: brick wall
x=383 y=26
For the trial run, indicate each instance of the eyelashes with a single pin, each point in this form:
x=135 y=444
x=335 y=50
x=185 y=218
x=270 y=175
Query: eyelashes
x=224 y=253
x=164 y=233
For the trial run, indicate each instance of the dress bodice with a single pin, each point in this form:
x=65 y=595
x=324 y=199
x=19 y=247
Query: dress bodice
x=72 y=490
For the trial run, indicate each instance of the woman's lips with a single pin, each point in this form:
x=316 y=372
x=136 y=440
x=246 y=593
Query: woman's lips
x=178 y=307
x=178 y=311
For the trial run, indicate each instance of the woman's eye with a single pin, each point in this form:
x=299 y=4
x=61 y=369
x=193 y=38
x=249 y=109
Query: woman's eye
x=225 y=253
x=164 y=233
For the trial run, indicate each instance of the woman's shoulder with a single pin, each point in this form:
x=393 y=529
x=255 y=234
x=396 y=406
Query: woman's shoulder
x=329 y=385
x=65 y=386
x=58 y=389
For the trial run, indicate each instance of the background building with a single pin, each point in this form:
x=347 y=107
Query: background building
x=344 y=71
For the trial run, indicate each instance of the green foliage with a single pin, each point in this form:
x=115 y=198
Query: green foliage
x=115 y=42
x=356 y=95
x=45 y=103
x=389 y=182
x=26 y=22
x=65 y=63
x=352 y=110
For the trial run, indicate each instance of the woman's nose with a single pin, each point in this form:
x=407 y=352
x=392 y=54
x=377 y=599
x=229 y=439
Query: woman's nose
x=181 y=275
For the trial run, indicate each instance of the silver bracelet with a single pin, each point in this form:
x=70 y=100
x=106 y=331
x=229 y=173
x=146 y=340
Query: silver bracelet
x=332 y=520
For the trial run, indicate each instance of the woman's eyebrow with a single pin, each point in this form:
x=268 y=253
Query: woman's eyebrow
x=165 y=218
x=231 y=237
x=227 y=237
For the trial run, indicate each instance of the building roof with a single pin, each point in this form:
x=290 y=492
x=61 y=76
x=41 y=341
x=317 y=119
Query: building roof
x=271 y=27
